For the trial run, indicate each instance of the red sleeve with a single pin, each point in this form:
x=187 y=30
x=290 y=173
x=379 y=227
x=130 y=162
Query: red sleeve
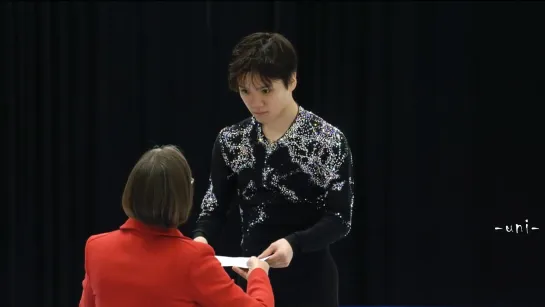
x=214 y=287
x=87 y=296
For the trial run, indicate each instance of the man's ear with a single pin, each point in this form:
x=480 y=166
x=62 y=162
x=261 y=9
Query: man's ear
x=293 y=82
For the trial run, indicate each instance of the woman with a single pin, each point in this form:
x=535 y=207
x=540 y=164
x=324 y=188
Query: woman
x=288 y=170
x=149 y=262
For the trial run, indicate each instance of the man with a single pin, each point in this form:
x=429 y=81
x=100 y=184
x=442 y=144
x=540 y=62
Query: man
x=290 y=173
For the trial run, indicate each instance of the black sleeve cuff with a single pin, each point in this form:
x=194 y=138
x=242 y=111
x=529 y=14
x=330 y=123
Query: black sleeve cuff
x=293 y=240
x=199 y=234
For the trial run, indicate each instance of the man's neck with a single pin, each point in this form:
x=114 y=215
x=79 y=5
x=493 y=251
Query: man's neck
x=278 y=128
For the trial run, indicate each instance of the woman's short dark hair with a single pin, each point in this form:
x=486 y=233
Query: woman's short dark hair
x=159 y=190
x=270 y=56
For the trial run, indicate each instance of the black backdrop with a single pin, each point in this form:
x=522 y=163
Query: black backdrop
x=439 y=102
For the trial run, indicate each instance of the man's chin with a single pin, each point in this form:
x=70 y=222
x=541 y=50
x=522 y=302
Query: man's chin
x=261 y=118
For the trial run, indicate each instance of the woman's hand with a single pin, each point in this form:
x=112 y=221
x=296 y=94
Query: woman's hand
x=253 y=263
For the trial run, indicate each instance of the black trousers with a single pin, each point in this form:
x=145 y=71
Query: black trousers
x=311 y=280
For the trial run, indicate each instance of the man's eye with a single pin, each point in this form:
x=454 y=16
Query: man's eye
x=243 y=91
x=265 y=91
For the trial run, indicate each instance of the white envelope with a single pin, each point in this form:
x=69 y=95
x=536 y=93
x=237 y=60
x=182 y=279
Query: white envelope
x=241 y=262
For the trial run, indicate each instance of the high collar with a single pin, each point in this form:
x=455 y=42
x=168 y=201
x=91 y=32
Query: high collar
x=134 y=224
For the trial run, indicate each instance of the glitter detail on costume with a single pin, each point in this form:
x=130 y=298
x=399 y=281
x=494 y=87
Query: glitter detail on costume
x=209 y=202
x=338 y=186
x=249 y=191
x=304 y=175
x=236 y=149
x=259 y=216
x=314 y=145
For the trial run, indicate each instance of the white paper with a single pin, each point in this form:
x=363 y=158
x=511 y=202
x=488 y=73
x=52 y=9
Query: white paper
x=241 y=262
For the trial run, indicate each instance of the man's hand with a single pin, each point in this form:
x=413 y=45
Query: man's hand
x=280 y=253
x=201 y=239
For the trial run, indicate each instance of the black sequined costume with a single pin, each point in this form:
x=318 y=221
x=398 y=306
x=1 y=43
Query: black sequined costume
x=299 y=188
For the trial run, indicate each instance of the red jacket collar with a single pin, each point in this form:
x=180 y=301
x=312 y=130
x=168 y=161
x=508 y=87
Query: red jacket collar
x=139 y=226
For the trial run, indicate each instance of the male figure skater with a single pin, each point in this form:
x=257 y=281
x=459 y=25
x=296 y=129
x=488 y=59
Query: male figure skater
x=290 y=173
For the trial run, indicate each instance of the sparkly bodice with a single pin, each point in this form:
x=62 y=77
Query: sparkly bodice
x=296 y=187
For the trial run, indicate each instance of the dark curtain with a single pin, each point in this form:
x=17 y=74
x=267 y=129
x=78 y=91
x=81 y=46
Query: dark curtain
x=438 y=100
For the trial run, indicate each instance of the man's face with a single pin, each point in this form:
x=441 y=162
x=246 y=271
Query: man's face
x=266 y=103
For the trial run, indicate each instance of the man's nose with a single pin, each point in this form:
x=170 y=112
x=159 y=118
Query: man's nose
x=256 y=101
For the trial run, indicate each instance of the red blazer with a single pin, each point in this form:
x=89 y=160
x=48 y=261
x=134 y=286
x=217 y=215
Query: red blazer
x=139 y=266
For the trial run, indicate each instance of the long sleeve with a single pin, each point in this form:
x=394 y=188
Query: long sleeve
x=218 y=197
x=87 y=296
x=213 y=286
x=337 y=218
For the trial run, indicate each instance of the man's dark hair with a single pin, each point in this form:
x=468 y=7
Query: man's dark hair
x=269 y=56
x=159 y=190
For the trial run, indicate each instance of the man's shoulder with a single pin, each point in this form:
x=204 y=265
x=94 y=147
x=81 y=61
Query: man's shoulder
x=236 y=131
x=322 y=130
x=246 y=123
